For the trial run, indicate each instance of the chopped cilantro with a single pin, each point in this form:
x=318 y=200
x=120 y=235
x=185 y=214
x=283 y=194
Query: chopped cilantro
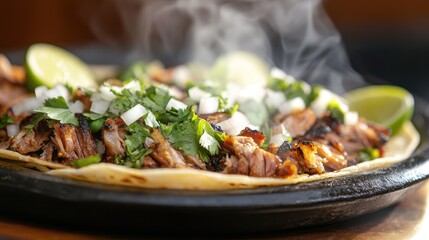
x=185 y=134
x=58 y=102
x=135 y=148
x=295 y=89
x=6 y=120
x=335 y=111
x=57 y=109
x=277 y=84
x=315 y=91
x=223 y=103
x=153 y=98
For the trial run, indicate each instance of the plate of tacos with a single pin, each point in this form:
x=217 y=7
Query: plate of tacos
x=221 y=143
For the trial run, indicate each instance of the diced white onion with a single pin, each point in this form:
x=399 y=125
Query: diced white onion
x=181 y=75
x=149 y=142
x=196 y=94
x=133 y=114
x=100 y=147
x=99 y=106
x=41 y=91
x=133 y=86
x=208 y=105
x=292 y=105
x=12 y=130
x=58 y=91
x=351 y=118
x=274 y=98
x=173 y=103
x=278 y=73
x=320 y=104
x=76 y=107
x=246 y=93
x=27 y=105
x=235 y=124
x=106 y=94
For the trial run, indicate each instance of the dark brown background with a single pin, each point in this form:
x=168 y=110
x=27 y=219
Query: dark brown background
x=64 y=22
x=384 y=38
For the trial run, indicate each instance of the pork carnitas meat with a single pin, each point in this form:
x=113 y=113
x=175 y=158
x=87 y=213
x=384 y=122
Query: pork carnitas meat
x=247 y=158
x=296 y=123
x=166 y=156
x=74 y=142
x=31 y=140
x=113 y=135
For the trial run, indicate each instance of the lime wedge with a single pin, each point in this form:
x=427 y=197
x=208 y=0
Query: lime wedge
x=50 y=65
x=241 y=68
x=390 y=106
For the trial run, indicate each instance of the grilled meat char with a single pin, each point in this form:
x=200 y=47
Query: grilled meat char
x=296 y=123
x=113 y=135
x=31 y=141
x=73 y=142
x=247 y=158
x=317 y=147
x=164 y=154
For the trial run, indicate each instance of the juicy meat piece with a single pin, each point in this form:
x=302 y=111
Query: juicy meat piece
x=148 y=162
x=215 y=117
x=164 y=154
x=85 y=99
x=74 y=142
x=195 y=162
x=288 y=168
x=48 y=151
x=347 y=139
x=362 y=135
x=30 y=141
x=248 y=159
x=297 y=123
x=257 y=136
x=113 y=135
x=315 y=158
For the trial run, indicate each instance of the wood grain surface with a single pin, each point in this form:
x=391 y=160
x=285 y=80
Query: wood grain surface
x=406 y=220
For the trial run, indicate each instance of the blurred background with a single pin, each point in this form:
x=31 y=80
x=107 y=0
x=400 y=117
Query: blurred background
x=385 y=40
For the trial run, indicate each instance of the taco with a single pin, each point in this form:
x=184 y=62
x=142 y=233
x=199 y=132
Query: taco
x=169 y=128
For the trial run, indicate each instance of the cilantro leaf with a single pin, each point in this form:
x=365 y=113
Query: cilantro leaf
x=135 y=148
x=58 y=102
x=186 y=133
x=63 y=115
x=6 y=120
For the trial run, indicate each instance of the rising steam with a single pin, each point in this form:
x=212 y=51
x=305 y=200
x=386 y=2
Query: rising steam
x=295 y=35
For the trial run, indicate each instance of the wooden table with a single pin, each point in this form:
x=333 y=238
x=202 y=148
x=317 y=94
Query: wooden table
x=407 y=220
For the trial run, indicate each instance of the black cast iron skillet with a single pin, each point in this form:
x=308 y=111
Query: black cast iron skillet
x=75 y=203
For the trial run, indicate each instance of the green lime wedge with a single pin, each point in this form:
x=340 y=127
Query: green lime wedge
x=241 y=68
x=50 y=65
x=390 y=106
